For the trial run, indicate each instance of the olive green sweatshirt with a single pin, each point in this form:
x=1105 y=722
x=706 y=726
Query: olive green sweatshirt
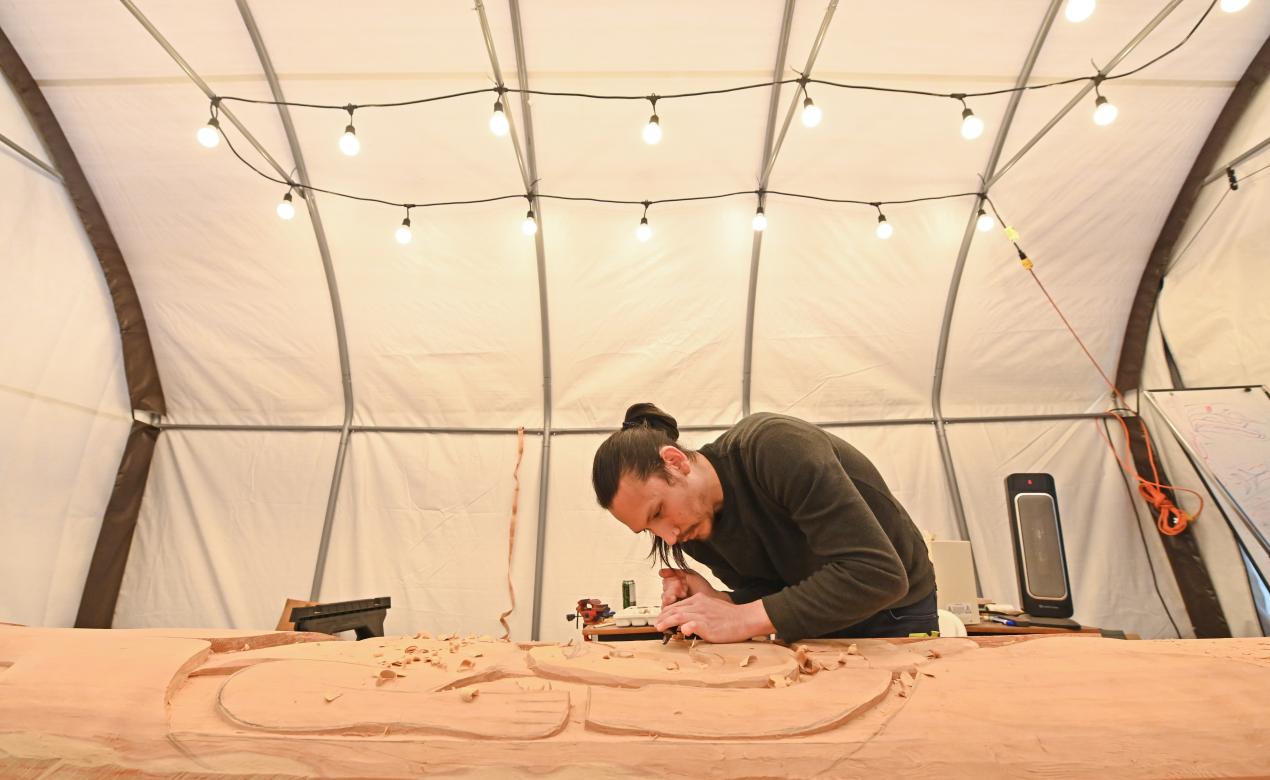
x=808 y=525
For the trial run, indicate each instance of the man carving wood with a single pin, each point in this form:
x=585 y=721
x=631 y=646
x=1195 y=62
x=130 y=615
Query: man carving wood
x=797 y=522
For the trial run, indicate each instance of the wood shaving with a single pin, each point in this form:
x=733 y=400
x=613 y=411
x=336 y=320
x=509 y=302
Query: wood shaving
x=465 y=664
x=672 y=666
x=468 y=694
x=423 y=635
x=749 y=659
x=852 y=649
x=623 y=654
x=778 y=681
x=330 y=697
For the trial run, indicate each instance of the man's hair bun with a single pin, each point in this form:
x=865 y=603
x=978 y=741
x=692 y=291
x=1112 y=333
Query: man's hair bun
x=648 y=415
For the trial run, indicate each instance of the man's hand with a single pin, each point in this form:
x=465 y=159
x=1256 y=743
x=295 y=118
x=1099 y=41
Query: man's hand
x=679 y=584
x=716 y=620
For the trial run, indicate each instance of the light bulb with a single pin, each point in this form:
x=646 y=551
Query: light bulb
x=1105 y=111
x=986 y=222
x=759 y=222
x=1231 y=6
x=811 y=113
x=209 y=134
x=348 y=142
x=652 y=130
x=530 y=225
x=1079 y=10
x=498 y=124
x=971 y=125
x=884 y=229
x=643 y=232
x=286 y=209
x=403 y=233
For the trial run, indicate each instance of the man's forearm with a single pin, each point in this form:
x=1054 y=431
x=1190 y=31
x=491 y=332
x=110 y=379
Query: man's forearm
x=756 y=618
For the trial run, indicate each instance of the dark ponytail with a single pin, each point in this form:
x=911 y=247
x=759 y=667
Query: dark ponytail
x=636 y=450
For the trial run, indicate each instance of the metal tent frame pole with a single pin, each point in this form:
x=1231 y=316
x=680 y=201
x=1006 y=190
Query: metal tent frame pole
x=954 y=284
x=527 y=162
x=337 y=310
x=769 y=154
x=31 y=158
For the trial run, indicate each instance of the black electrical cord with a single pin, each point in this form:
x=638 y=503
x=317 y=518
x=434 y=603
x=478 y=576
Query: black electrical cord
x=802 y=80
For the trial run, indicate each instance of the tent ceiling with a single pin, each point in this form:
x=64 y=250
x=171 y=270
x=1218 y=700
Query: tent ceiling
x=231 y=292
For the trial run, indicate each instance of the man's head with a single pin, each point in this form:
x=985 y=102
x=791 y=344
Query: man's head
x=650 y=483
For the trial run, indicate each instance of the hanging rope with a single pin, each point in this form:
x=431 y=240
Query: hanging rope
x=511 y=531
x=1171 y=519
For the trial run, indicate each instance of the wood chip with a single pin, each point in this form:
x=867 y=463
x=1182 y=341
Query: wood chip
x=749 y=659
x=779 y=681
x=330 y=697
x=468 y=694
x=672 y=666
x=423 y=635
x=852 y=649
x=465 y=664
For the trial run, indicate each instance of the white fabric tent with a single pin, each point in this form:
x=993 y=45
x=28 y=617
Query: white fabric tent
x=474 y=330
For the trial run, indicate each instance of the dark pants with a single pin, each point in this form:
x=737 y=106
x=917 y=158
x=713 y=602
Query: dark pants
x=919 y=618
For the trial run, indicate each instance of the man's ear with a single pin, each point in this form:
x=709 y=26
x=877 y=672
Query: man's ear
x=675 y=459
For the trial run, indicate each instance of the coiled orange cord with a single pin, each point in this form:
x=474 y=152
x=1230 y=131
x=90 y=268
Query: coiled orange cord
x=1171 y=519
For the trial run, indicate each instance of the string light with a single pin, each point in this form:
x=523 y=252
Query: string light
x=644 y=231
x=971 y=125
x=652 y=130
x=349 y=144
x=530 y=225
x=811 y=115
x=209 y=134
x=759 y=223
x=884 y=229
x=286 y=209
x=498 y=124
x=1232 y=6
x=986 y=222
x=404 y=234
x=1079 y=10
x=1105 y=112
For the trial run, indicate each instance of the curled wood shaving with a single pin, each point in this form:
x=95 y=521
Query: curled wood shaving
x=465 y=664
x=468 y=694
x=330 y=697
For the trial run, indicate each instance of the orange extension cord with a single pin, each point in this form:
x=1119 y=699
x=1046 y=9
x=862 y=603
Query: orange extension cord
x=1171 y=519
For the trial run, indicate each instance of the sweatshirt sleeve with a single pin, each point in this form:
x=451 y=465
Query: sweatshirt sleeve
x=794 y=464
x=743 y=589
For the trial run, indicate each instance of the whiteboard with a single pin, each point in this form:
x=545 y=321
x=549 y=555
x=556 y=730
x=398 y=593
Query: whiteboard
x=1227 y=430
